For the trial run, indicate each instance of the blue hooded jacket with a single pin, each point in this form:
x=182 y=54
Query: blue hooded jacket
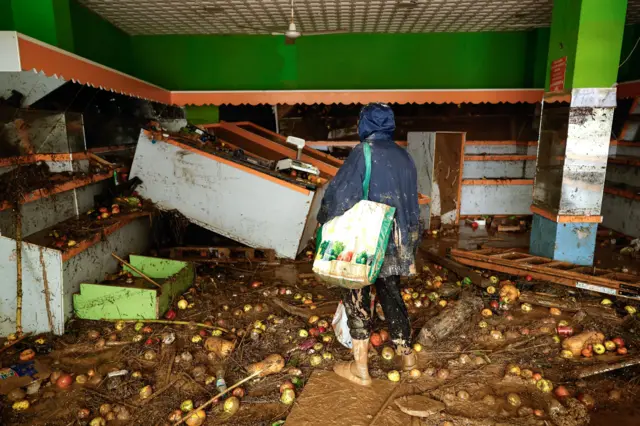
x=393 y=182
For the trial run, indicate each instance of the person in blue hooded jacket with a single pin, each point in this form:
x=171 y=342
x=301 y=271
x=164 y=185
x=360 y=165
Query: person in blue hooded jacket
x=394 y=183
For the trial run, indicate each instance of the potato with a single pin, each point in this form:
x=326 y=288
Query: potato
x=219 y=346
x=577 y=343
x=274 y=363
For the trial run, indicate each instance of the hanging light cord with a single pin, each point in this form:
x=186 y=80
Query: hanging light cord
x=630 y=53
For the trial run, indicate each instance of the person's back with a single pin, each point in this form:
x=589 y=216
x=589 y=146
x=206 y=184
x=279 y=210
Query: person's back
x=393 y=182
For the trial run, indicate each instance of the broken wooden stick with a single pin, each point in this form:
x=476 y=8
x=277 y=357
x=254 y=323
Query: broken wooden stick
x=158 y=321
x=209 y=402
x=593 y=370
x=458 y=268
x=99 y=160
x=549 y=301
x=450 y=320
x=136 y=270
x=19 y=269
x=328 y=309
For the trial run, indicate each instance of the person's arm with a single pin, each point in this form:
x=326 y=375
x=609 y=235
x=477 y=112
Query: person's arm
x=345 y=189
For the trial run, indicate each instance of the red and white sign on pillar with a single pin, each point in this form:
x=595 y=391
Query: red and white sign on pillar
x=558 y=73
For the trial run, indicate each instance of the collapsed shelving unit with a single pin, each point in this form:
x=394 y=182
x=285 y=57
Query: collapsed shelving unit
x=250 y=205
x=50 y=275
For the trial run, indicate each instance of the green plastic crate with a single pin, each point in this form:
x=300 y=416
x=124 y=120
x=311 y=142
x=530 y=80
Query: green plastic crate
x=141 y=300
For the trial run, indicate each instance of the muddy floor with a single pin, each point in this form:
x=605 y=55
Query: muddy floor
x=503 y=365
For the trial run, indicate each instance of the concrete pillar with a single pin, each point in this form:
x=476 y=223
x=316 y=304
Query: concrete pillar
x=584 y=53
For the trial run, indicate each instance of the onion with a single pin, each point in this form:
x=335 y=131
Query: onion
x=388 y=353
x=376 y=339
x=186 y=406
x=587 y=400
x=514 y=400
x=145 y=392
x=288 y=396
x=197 y=418
x=64 y=381
x=561 y=392
x=231 y=405
x=513 y=370
x=463 y=395
x=544 y=385
x=442 y=374
x=393 y=376
x=525 y=411
x=489 y=400
x=286 y=385
x=615 y=395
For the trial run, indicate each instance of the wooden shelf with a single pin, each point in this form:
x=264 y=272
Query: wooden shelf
x=57 y=189
x=109 y=226
x=629 y=192
x=625 y=161
x=499 y=157
x=497 y=182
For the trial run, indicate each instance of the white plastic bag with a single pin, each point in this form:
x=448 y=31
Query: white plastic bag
x=340 y=327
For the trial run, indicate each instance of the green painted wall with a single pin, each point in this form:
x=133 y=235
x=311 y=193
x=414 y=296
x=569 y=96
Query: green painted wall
x=349 y=61
x=599 y=42
x=35 y=18
x=205 y=114
x=99 y=40
x=589 y=33
x=6 y=16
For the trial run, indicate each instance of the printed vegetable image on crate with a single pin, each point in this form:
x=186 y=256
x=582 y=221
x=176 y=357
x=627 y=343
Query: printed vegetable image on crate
x=352 y=246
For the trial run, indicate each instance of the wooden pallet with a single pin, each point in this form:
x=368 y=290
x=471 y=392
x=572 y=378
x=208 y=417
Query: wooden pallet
x=221 y=254
x=541 y=268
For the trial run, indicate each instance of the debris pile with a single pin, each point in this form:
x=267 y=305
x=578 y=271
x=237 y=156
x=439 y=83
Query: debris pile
x=241 y=344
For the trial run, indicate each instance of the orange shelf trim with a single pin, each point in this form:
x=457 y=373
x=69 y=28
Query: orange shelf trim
x=497 y=182
x=63 y=187
x=565 y=218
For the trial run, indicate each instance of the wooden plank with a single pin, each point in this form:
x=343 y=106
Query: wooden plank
x=497 y=182
x=530 y=258
x=499 y=157
x=524 y=269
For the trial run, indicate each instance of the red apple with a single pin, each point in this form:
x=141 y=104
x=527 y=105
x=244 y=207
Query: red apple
x=561 y=392
x=376 y=339
x=64 y=381
x=587 y=353
x=622 y=351
x=494 y=304
x=618 y=341
x=170 y=315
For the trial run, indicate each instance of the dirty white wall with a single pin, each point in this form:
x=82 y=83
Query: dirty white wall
x=622 y=213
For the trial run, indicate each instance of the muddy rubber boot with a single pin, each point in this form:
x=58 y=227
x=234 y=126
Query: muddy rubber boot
x=357 y=370
x=409 y=360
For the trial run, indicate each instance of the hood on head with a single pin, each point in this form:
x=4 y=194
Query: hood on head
x=377 y=122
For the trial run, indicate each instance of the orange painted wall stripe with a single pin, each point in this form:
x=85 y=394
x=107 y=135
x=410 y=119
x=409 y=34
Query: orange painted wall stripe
x=498 y=157
x=357 y=96
x=57 y=189
x=235 y=165
x=35 y=55
x=565 y=218
x=502 y=143
x=497 y=182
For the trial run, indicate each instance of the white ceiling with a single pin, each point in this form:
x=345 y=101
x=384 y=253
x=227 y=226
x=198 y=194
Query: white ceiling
x=139 y=17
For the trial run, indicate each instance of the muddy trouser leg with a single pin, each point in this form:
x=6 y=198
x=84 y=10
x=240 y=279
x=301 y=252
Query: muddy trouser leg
x=395 y=311
x=357 y=304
